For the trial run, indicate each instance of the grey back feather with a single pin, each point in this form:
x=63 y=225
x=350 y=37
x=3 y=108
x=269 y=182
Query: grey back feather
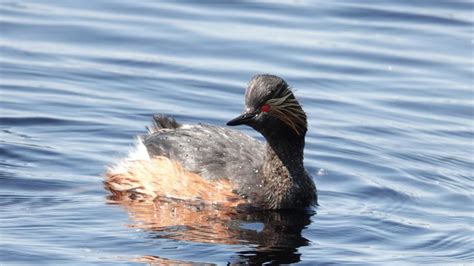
x=212 y=152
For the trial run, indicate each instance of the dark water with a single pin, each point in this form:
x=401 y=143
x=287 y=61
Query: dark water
x=387 y=85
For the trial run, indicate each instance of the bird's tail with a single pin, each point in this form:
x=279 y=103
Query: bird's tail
x=161 y=121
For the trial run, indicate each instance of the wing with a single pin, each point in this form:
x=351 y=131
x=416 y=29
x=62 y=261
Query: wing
x=213 y=152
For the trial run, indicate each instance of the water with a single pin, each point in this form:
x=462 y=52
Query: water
x=387 y=87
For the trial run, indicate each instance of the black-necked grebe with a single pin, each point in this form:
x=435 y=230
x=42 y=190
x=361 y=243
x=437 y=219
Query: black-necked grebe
x=221 y=166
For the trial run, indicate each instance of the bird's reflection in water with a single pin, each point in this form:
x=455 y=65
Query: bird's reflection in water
x=276 y=240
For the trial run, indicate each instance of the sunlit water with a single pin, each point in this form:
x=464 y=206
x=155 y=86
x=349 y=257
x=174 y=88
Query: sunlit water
x=387 y=86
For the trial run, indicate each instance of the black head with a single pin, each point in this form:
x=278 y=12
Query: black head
x=271 y=108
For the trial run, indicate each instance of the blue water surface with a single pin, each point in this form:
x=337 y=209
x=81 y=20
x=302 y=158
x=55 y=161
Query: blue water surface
x=387 y=86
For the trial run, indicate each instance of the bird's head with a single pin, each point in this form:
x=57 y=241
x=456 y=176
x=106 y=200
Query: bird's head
x=271 y=108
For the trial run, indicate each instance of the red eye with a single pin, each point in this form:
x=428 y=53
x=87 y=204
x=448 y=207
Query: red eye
x=265 y=108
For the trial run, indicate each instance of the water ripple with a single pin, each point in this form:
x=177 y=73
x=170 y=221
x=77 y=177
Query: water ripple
x=387 y=87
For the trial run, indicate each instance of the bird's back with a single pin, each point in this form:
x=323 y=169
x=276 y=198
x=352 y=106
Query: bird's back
x=209 y=151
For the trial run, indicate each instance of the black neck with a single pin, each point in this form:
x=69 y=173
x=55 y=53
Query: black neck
x=288 y=148
x=285 y=179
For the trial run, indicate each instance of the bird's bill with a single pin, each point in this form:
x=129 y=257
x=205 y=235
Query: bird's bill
x=242 y=119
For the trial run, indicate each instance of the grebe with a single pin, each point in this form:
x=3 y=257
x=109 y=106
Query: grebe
x=217 y=165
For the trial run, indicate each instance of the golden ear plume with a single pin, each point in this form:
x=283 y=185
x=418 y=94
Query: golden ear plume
x=288 y=110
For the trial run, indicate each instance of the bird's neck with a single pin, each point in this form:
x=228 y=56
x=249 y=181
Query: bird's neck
x=285 y=180
x=286 y=151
